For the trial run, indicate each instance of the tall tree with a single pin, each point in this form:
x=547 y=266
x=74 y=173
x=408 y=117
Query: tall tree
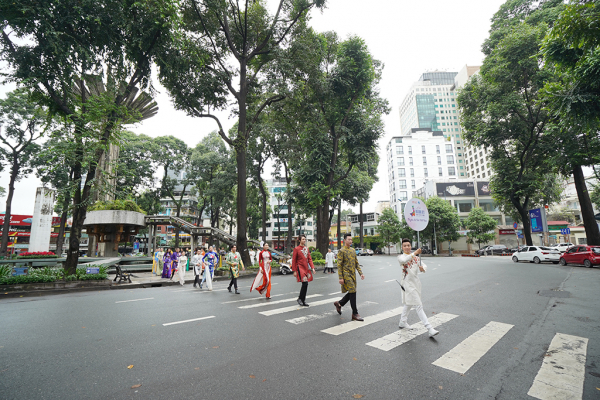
x=133 y=170
x=502 y=109
x=341 y=121
x=444 y=222
x=23 y=123
x=480 y=226
x=389 y=228
x=86 y=60
x=572 y=47
x=222 y=42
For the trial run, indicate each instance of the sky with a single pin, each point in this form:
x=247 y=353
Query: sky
x=409 y=37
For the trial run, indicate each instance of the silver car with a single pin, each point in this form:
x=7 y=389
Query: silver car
x=537 y=254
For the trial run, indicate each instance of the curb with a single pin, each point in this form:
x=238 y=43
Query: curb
x=470 y=255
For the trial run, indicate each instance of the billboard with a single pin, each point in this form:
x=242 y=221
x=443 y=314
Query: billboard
x=483 y=189
x=455 y=189
x=25 y=220
x=537 y=217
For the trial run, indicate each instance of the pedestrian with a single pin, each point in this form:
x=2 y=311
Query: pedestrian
x=157 y=264
x=182 y=262
x=222 y=256
x=167 y=264
x=302 y=265
x=263 y=277
x=210 y=260
x=347 y=267
x=329 y=257
x=411 y=287
x=197 y=265
x=252 y=253
x=234 y=261
x=174 y=262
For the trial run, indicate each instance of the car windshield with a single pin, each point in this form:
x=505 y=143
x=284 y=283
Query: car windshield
x=545 y=248
x=596 y=250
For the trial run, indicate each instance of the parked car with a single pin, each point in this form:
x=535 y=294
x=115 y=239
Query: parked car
x=358 y=251
x=370 y=252
x=536 y=254
x=562 y=247
x=493 y=249
x=581 y=254
x=363 y=252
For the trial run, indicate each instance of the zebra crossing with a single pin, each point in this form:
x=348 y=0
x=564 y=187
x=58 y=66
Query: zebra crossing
x=561 y=374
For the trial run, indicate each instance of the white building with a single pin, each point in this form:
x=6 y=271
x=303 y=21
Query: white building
x=431 y=104
x=277 y=225
x=414 y=158
x=370 y=223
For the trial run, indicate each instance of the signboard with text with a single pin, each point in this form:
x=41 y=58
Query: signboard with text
x=455 y=189
x=506 y=232
x=537 y=220
x=483 y=189
x=416 y=214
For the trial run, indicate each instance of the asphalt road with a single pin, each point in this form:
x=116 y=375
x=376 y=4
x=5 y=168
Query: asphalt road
x=499 y=320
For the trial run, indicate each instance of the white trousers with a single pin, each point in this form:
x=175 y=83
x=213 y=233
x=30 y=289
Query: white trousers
x=181 y=273
x=420 y=313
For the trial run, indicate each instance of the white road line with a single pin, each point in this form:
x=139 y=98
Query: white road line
x=391 y=280
x=278 y=301
x=296 y=308
x=321 y=277
x=462 y=357
x=402 y=336
x=313 y=317
x=349 y=326
x=188 y=320
x=183 y=290
x=254 y=298
x=563 y=369
x=127 y=301
x=338 y=292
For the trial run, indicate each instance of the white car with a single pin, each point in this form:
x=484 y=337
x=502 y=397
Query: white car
x=537 y=254
x=562 y=247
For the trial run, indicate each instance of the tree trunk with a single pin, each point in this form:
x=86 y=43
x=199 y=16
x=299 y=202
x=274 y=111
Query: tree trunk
x=587 y=211
x=323 y=227
x=14 y=172
x=360 y=221
x=177 y=228
x=288 y=241
x=339 y=225
x=61 y=230
x=263 y=194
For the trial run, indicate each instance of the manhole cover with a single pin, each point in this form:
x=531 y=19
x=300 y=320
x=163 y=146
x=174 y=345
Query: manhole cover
x=554 y=293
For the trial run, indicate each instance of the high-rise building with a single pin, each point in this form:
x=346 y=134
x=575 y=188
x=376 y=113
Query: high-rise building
x=415 y=158
x=431 y=104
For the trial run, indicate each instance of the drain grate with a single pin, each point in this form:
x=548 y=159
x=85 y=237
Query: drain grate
x=554 y=293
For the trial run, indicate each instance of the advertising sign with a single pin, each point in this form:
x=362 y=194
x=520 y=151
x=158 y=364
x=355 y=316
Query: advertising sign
x=537 y=222
x=92 y=270
x=483 y=189
x=416 y=214
x=17 y=271
x=455 y=189
x=25 y=220
x=506 y=231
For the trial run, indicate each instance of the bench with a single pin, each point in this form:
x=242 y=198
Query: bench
x=122 y=275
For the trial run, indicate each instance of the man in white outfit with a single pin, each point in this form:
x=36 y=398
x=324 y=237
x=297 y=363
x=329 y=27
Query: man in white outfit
x=411 y=286
x=329 y=258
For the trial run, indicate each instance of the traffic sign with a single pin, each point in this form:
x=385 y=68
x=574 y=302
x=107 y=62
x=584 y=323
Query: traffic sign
x=515 y=225
x=565 y=231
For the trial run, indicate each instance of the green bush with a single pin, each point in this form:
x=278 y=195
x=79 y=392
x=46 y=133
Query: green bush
x=5 y=270
x=50 y=274
x=13 y=280
x=312 y=248
x=316 y=255
x=319 y=262
x=123 y=205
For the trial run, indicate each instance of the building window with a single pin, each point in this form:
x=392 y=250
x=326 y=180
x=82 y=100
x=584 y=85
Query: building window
x=425 y=172
x=440 y=171
x=464 y=206
x=448 y=148
x=403 y=196
x=410 y=161
x=488 y=205
x=450 y=159
x=402 y=184
x=423 y=149
x=437 y=147
x=399 y=150
x=409 y=149
x=400 y=160
x=424 y=160
x=413 y=185
x=398 y=140
x=439 y=160
x=401 y=172
x=451 y=171
x=412 y=172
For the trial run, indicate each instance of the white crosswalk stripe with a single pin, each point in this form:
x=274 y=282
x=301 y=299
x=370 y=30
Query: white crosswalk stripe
x=393 y=340
x=296 y=308
x=255 y=298
x=563 y=369
x=270 y=303
x=313 y=317
x=469 y=351
x=350 y=326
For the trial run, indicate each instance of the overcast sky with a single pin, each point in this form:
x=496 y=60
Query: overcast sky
x=409 y=37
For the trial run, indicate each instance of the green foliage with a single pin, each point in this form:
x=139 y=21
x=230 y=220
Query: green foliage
x=319 y=262
x=445 y=218
x=480 y=226
x=123 y=205
x=316 y=255
x=5 y=270
x=389 y=227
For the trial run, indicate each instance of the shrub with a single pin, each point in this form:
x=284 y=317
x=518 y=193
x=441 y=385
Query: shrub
x=5 y=270
x=319 y=262
x=37 y=254
x=312 y=248
x=316 y=255
x=123 y=205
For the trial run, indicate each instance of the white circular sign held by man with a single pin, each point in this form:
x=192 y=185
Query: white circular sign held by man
x=416 y=214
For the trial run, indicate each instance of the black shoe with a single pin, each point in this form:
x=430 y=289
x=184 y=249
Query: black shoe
x=229 y=288
x=304 y=304
x=300 y=302
x=236 y=291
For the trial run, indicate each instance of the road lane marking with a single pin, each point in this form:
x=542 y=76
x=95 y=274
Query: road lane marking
x=313 y=317
x=462 y=357
x=254 y=298
x=391 y=280
x=296 y=308
x=350 y=326
x=331 y=294
x=279 y=301
x=188 y=320
x=127 y=301
x=393 y=340
x=562 y=372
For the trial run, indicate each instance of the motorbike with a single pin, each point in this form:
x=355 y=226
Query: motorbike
x=285 y=267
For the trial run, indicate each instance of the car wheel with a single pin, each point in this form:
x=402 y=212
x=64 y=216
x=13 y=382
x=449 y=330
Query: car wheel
x=562 y=262
x=536 y=260
x=587 y=263
x=515 y=259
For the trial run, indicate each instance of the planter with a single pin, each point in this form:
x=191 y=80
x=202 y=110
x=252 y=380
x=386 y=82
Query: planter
x=54 y=285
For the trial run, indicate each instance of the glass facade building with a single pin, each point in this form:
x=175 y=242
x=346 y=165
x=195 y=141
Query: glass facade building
x=438 y=78
x=426 y=111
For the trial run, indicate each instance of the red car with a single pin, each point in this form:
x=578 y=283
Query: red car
x=581 y=254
